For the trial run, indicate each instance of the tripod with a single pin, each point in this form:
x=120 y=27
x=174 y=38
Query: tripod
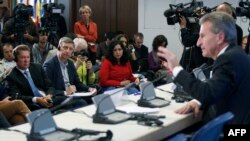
x=53 y=38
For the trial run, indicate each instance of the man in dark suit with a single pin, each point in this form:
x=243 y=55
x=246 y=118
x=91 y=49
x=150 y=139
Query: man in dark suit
x=141 y=54
x=62 y=72
x=228 y=86
x=226 y=7
x=28 y=82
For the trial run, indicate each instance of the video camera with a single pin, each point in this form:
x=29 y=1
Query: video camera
x=54 y=8
x=191 y=11
x=51 y=20
x=21 y=17
x=243 y=9
x=53 y=12
x=22 y=13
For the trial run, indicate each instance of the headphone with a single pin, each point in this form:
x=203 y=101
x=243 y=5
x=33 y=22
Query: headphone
x=58 y=47
x=18 y=48
x=14 y=52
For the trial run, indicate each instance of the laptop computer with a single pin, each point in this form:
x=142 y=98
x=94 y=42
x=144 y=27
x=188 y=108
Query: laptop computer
x=43 y=127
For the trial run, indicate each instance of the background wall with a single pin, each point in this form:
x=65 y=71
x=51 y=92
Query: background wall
x=152 y=22
x=110 y=15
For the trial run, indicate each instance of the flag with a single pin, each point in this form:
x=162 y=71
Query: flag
x=38 y=11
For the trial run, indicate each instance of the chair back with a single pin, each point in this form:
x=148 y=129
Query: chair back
x=212 y=130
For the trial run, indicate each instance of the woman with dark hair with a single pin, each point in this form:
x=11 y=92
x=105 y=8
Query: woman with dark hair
x=129 y=49
x=156 y=64
x=116 y=70
x=153 y=60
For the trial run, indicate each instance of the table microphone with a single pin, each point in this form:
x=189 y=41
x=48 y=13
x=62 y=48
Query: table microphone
x=199 y=71
x=105 y=109
x=179 y=94
x=42 y=112
x=148 y=97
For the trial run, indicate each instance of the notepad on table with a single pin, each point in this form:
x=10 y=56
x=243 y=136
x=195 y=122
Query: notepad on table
x=83 y=94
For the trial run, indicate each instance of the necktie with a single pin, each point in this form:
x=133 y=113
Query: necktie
x=32 y=85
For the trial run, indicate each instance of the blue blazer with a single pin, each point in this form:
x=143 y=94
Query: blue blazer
x=54 y=73
x=229 y=87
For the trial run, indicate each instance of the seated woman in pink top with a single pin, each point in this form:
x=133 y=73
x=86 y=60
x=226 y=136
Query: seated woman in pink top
x=116 y=70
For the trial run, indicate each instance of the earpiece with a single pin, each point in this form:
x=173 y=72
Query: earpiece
x=15 y=54
x=19 y=48
x=58 y=47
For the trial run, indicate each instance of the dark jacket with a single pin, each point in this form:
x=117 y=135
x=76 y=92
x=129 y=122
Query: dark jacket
x=19 y=87
x=54 y=73
x=228 y=88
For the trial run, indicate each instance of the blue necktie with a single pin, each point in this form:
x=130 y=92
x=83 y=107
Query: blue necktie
x=32 y=85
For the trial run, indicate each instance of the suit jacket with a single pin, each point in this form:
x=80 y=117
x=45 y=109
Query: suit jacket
x=239 y=34
x=19 y=87
x=54 y=73
x=228 y=88
x=192 y=57
x=141 y=59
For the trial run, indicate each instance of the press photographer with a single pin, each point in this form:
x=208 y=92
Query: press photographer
x=187 y=15
x=227 y=8
x=53 y=22
x=20 y=29
x=244 y=11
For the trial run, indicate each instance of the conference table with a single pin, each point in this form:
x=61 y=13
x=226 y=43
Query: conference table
x=125 y=131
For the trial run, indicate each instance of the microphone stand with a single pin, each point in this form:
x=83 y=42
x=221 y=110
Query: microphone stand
x=179 y=94
x=101 y=117
x=150 y=99
x=35 y=135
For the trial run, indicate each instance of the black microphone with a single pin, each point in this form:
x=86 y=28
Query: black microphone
x=105 y=109
x=243 y=3
x=148 y=97
x=169 y=13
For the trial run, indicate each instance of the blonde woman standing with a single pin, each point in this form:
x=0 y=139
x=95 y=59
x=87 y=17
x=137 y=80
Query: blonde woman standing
x=87 y=29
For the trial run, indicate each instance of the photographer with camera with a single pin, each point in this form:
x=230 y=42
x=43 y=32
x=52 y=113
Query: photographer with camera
x=20 y=29
x=187 y=15
x=243 y=11
x=192 y=55
x=53 y=22
x=227 y=8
